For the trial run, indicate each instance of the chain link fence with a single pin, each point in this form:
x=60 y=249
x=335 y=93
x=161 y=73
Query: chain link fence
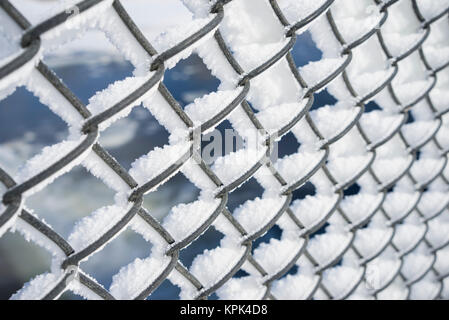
x=386 y=241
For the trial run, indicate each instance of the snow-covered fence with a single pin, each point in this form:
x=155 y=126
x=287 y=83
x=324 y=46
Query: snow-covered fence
x=386 y=241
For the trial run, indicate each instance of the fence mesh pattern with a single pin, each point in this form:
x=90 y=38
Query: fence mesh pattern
x=385 y=241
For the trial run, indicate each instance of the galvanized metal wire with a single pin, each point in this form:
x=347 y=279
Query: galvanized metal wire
x=15 y=195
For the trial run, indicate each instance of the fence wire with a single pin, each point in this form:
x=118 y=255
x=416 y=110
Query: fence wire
x=349 y=267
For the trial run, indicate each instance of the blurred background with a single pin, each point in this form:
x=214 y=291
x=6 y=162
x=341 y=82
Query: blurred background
x=88 y=65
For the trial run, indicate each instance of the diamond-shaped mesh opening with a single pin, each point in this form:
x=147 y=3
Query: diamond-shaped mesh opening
x=352 y=189
x=273 y=233
x=288 y=144
x=323 y=98
x=133 y=136
x=220 y=142
x=148 y=18
x=372 y=106
x=40 y=120
x=247 y=191
x=62 y=210
x=307 y=189
x=305 y=50
x=213 y=296
x=336 y=164
x=22 y=137
x=293 y=270
x=69 y=295
x=131 y=244
x=410 y=117
x=207 y=241
x=321 y=230
x=241 y=273
x=16 y=269
x=190 y=79
x=175 y=191
x=166 y=291
x=87 y=69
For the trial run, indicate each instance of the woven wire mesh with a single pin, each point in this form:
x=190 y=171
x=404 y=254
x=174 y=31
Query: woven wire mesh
x=367 y=255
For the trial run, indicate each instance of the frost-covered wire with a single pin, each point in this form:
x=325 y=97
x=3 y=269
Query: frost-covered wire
x=387 y=241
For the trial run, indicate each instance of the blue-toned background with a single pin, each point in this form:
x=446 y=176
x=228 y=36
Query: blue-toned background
x=26 y=126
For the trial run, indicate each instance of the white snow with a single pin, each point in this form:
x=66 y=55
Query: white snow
x=83 y=291
x=212 y=265
x=139 y=225
x=442 y=261
x=284 y=250
x=17 y=78
x=382 y=270
x=393 y=292
x=370 y=241
x=75 y=27
x=280 y=82
x=51 y=97
x=399 y=43
x=416 y=132
x=264 y=52
x=438 y=234
x=425 y=169
x=92 y=227
x=388 y=170
x=431 y=8
x=432 y=202
x=397 y=203
x=197 y=176
x=344 y=169
x=425 y=290
x=32 y=234
x=364 y=15
x=408 y=92
x=165 y=115
x=254 y=34
x=213 y=57
x=186 y=218
x=436 y=47
x=147 y=167
x=240 y=27
x=324 y=38
x=296 y=10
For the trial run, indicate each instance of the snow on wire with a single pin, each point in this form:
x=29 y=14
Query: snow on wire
x=387 y=241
